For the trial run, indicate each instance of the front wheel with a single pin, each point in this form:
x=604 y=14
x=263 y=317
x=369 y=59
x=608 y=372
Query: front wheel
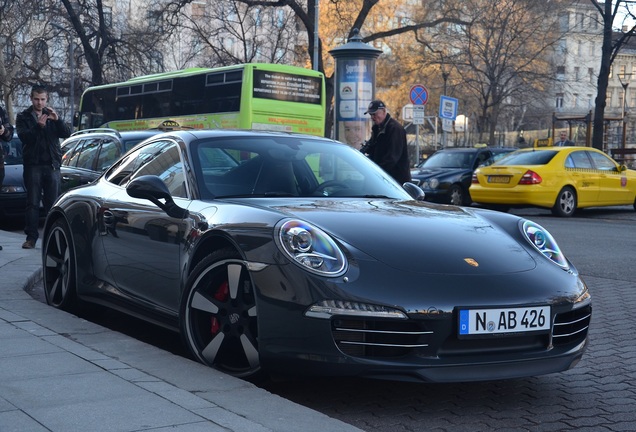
x=565 y=204
x=218 y=315
x=458 y=196
x=58 y=269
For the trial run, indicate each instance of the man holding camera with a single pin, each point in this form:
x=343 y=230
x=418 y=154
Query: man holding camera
x=40 y=130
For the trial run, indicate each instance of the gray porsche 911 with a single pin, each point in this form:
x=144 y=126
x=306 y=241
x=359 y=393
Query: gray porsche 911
x=278 y=253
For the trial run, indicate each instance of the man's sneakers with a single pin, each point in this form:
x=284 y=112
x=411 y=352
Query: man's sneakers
x=29 y=244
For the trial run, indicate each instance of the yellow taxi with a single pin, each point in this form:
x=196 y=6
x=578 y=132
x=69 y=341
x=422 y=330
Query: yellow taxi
x=562 y=179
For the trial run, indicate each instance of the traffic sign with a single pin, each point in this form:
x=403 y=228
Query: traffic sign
x=418 y=95
x=418 y=115
x=447 y=107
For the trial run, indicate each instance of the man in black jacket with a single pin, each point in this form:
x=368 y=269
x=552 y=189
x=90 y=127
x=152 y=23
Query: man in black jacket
x=6 y=133
x=40 y=130
x=387 y=146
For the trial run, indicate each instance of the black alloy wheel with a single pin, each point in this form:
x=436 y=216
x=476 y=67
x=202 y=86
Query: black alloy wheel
x=58 y=270
x=218 y=315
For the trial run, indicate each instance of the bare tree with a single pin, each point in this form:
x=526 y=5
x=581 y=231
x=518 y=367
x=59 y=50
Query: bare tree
x=502 y=58
x=24 y=49
x=115 y=46
x=226 y=32
x=611 y=12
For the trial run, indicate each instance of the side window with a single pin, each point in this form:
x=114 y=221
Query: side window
x=88 y=153
x=160 y=158
x=168 y=167
x=70 y=152
x=108 y=154
x=579 y=159
x=602 y=162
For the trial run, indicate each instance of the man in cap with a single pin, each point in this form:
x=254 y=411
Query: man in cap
x=387 y=146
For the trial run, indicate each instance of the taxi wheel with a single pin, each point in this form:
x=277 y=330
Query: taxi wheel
x=565 y=205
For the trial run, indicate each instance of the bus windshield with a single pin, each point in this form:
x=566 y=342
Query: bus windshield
x=248 y=96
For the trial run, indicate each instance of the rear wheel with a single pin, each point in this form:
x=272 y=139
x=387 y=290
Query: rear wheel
x=58 y=271
x=565 y=205
x=218 y=315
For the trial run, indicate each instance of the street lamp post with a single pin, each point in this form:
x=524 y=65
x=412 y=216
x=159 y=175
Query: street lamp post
x=624 y=79
x=71 y=65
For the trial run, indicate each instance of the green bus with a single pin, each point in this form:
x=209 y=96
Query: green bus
x=246 y=96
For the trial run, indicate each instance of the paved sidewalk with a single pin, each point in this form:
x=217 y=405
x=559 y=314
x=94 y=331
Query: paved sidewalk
x=62 y=373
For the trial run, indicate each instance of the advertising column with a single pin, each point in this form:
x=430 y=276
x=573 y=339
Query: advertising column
x=354 y=89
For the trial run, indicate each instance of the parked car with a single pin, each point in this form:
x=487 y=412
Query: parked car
x=12 y=192
x=562 y=179
x=87 y=153
x=445 y=175
x=295 y=254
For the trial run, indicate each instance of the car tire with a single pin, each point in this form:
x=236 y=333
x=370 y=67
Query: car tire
x=566 y=202
x=218 y=316
x=458 y=196
x=58 y=267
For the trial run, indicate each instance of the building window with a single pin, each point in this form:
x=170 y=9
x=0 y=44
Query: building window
x=575 y=100
x=579 y=20
x=592 y=48
x=560 y=72
x=564 y=22
x=590 y=101
x=559 y=100
x=579 y=49
x=576 y=73
x=590 y=72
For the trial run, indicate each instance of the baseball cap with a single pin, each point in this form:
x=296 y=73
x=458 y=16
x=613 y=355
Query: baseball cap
x=374 y=106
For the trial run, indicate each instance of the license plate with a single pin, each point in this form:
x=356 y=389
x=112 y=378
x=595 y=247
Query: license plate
x=502 y=321
x=498 y=179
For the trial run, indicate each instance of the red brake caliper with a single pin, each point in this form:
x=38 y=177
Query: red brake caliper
x=222 y=294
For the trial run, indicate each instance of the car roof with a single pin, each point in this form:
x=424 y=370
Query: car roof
x=212 y=133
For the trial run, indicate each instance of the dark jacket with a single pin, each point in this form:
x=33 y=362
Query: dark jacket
x=8 y=134
x=388 y=149
x=40 y=146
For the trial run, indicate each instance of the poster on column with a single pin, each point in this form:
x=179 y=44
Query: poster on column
x=354 y=92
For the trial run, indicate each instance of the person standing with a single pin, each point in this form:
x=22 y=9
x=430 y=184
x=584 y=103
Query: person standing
x=6 y=133
x=564 y=141
x=387 y=146
x=40 y=130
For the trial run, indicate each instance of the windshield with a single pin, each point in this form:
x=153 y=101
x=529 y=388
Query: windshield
x=12 y=151
x=448 y=159
x=266 y=166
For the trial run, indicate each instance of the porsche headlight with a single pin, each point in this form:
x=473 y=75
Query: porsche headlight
x=543 y=241
x=311 y=248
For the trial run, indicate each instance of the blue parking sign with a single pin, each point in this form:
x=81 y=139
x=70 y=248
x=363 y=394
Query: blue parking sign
x=448 y=107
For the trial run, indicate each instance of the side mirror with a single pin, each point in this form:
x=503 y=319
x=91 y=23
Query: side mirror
x=152 y=188
x=414 y=190
x=622 y=168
